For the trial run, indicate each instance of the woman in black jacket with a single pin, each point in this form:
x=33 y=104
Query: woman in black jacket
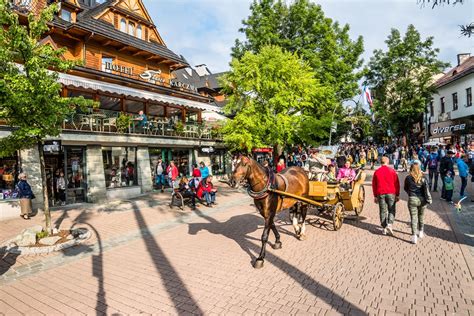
x=418 y=197
x=25 y=194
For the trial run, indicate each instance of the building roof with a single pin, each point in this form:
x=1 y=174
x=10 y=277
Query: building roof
x=457 y=72
x=190 y=76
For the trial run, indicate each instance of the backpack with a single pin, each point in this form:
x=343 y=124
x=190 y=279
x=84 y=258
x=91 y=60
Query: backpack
x=433 y=163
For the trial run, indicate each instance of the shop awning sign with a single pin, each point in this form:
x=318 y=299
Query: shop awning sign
x=207 y=150
x=452 y=127
x=52 y=146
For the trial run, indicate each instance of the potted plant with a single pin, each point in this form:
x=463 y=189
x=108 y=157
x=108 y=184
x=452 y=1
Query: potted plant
x=179 y=128
x=123 y=122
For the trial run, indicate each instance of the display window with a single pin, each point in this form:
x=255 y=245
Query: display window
x=120 y=166
x=9 y=171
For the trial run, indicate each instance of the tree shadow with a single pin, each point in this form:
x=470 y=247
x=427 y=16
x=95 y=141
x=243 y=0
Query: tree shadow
x=166 y=270
x=248 y=223
x=7 y=260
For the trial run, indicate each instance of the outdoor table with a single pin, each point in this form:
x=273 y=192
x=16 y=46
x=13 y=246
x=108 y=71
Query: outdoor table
x=97 y=117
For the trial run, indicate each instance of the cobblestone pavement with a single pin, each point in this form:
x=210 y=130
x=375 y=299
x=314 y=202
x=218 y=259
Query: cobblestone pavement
x=146 y=258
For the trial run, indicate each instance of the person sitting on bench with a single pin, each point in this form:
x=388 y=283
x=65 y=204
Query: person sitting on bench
x=187 y=192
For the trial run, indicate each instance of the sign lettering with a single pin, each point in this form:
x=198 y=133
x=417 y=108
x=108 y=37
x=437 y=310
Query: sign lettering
x=152 y=76
x=183 y=85
x=119 y=68
x=447 y=129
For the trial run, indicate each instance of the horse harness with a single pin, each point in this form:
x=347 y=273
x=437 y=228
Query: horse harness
x=269 y=187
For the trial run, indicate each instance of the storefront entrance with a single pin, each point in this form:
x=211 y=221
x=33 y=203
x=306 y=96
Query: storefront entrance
x=70 y=162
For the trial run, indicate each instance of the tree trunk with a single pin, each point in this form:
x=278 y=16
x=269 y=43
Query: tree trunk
x=47 y=213
x=277 y=151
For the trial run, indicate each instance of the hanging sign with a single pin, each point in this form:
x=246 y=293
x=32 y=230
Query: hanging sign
x=52 y=146
x=207 y=149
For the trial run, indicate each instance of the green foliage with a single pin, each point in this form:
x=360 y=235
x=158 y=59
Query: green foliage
x=301 y=27
x=42 y=234
x=402 y=79
x=179 y=127
x=269 y=93
x=30 y=98
x=123 y=122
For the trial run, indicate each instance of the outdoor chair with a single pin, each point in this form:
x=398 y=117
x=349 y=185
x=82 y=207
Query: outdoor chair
x=190 y=131
x=206 y=133
x=110 y=122
x=69 y=120
x=85 y=120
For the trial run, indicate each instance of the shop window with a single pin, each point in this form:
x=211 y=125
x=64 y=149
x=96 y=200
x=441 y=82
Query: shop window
x=156 y=110
x=110 y=103
x=123 y=25
x=174 y=114
x=120 y=166
x=139 y=31
x=131 y=28
x=441 y=100
x=468 y=97
x=106 y=62
x=66 y=15
x=9 y=171
x=133 y=106
x=455 y=101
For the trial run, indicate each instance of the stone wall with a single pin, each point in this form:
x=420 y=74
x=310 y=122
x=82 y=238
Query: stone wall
x=31 y=166
x=144 y=170
x=96 y=191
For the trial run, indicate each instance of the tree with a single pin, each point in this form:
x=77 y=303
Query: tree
x=402 y=80
x=301 y=27
x=268 y=92
x=30 y=100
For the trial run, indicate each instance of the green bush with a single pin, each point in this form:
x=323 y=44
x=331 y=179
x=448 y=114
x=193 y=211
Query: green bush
x=42 y=234
x=123 y=122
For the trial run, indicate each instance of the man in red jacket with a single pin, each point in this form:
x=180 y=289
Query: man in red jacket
x=386 y=189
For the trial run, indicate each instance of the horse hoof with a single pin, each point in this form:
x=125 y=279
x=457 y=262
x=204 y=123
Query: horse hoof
x=258 y=264
x=277 y=245
x=302 y=237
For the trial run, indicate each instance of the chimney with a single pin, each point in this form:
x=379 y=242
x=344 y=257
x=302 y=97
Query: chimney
x=202 y=70
x=463 y=57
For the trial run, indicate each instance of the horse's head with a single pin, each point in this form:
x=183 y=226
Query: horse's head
x=241 y=171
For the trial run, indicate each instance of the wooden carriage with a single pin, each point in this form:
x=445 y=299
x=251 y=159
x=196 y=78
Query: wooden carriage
x=335 y=199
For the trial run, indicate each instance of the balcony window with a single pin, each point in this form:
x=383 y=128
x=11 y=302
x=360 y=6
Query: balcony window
x=139 y=31
x=133 y=106
x=107 y=61
x=123 y=25
x=468 y=97
x=455 y=101
x=66 y=15
x=131 y=29
x=110 y=103
x=156 y=110
x=441 y=100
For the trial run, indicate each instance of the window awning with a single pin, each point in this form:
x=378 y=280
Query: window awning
x=80 y=82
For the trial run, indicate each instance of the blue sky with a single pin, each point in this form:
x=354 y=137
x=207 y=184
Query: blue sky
x=203 y=31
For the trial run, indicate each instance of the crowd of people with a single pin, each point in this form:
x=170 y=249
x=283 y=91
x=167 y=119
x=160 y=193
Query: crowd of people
x=199 y=186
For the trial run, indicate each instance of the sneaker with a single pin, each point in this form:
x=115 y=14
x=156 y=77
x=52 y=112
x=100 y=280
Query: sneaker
x=421 y=234
x=389 y=229
x=414 y=239
x=442 y=198
x=384 y=231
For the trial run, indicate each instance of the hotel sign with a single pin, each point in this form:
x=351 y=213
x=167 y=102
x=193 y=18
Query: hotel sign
x=154 y=76
x=118 y=68
x=182 y=85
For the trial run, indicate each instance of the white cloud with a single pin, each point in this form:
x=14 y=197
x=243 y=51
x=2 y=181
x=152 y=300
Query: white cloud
x=204 y=31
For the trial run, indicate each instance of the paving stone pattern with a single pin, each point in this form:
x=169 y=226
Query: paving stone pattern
x=148 y=259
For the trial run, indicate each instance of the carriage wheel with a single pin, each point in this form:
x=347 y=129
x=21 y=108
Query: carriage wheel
x=338 y=215
x=360 y=201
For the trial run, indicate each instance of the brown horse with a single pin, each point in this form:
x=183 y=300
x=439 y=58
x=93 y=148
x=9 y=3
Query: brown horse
x=261 y=181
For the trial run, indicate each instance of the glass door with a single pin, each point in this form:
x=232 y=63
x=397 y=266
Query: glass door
x=76 y=175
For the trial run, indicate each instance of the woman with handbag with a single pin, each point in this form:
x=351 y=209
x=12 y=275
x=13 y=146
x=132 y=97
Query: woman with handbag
x=419 y=196
x=25 y=194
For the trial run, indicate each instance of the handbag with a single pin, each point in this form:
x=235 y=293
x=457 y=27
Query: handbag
x=426 y=192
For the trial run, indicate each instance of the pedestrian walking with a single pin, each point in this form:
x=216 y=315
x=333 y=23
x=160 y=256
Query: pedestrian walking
x=172 y=172
x=396 y=159
x=433 y=169
x=419 y=197
x=61 y=187
x=470 y=156
x=25 y=194
x=280 y=166
x=463 y=174
x=160 y=175
x=446 y=165
x=386 y=188
x=204 y=170
x=448 y=182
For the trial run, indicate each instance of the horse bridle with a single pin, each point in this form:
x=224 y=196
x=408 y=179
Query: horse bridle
x=259 y=194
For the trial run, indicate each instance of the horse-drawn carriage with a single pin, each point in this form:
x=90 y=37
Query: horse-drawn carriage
x=333 y=199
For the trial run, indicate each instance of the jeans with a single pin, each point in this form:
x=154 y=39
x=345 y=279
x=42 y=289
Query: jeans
x=433 y=173
x=443 y=190
x=448 y=194
x=463 y=185
x=160 y=180
x=210 y=197
x=417 y=211
x=387 y=209
x=396 y=162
